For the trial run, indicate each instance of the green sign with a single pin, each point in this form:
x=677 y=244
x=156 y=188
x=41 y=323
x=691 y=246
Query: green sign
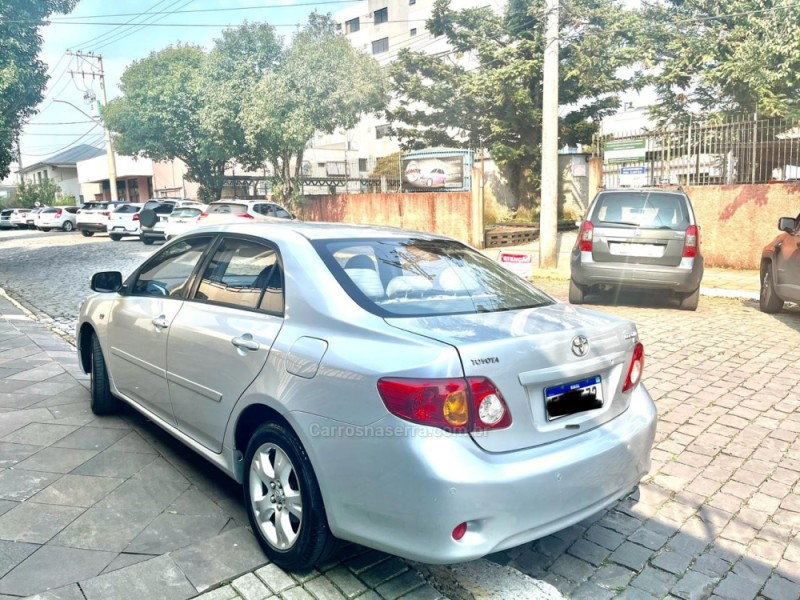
x=624 y=151
x=617 y=145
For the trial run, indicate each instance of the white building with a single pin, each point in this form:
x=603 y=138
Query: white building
x=381 y=28
x=62 y=168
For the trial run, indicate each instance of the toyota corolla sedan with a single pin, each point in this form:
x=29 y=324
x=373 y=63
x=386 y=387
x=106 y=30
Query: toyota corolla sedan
x=391 y=388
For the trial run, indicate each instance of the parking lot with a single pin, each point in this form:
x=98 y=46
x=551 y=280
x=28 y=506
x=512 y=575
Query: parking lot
x=719 y=513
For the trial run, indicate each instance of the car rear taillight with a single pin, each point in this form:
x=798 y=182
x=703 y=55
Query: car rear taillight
x=202 y=216
x=456 y=405
x=105 y=214
x=585 y=237
x=692 y=243
x=636 y=368
x=59 y=212
x=246 y=216
x=136 y=217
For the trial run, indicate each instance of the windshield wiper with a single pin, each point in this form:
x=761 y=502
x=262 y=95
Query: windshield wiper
x=622 y=223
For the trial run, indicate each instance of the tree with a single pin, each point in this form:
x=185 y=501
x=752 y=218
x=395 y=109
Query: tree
x=492 y=97
x=159 y=116
x=725 y=57
x=320 y=84
x=45 y=193
x=22 y=75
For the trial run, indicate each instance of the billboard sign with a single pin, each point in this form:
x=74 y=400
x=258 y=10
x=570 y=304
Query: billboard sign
x=433 y=173
x=622 y=151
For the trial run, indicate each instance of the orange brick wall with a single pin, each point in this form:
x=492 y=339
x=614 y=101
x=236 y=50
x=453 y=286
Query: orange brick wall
x=445 y=213
x=737 y=221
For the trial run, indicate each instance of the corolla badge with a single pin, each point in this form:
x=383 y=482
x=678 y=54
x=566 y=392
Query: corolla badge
x=580 y=345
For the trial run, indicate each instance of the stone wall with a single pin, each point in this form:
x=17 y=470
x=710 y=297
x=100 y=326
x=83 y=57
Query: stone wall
x=737 y=221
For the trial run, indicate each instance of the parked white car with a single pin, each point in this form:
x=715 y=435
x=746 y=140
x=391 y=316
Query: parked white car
x=182 y=219
x=19 y=218
x=93 y=216
x=5 y=218
x=235 y=211
x=155 y=213
x=57 y=217
x=124 y=220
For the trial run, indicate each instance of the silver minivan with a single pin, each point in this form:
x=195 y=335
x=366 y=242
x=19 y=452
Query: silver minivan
x=638 y=238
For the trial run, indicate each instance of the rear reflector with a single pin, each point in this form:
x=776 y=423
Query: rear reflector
x=456 y=405
x=202 y=216
x=246 y=216
x=692 y=243
x=459 y=531
x=636 y=368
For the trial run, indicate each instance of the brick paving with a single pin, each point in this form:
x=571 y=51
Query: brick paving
x=717 y=517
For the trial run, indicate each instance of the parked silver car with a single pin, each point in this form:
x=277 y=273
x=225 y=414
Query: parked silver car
x=391 y=388
x=645 y=239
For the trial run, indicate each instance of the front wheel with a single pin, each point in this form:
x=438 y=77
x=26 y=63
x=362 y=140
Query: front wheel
x=768 y=300
x=45 y=229
x=283 y=500
x=67 y=226
x=147 y=241
x=85 y=233
x=102 y=400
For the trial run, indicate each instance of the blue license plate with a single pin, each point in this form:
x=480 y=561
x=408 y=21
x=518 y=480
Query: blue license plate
x=573 y=397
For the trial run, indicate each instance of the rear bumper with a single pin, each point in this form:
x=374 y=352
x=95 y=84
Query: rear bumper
x=96 y=227
x=156 y=234
x=685 y=278
x=405 y=493
x=122 y=230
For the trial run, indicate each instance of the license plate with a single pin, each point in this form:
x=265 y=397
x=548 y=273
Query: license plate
x=642 y=250
x=118 y=228
x=574 y=397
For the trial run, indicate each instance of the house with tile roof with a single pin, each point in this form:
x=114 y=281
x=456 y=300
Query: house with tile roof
x=62 y=168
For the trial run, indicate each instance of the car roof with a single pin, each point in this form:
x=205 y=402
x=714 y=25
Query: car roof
x=639 y=190
x=287 y=229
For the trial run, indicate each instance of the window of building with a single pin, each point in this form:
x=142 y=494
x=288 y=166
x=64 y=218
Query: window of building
x=352 y=25
x=413 y=32
x=381 y=45
x=382 y=131
x=133 y=190
x=381 y=16
x=362 y=165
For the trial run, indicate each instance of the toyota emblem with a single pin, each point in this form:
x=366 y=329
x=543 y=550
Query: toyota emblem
x=580 y=345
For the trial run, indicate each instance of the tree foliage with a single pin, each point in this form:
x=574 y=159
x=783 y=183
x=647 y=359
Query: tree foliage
x=320 y=84
x=158 y=116
x=491 y=94
x=46 y=193
x=22 y=75
x=726 y=57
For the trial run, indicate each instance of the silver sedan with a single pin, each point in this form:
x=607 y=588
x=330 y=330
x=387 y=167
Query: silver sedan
x=392 y=388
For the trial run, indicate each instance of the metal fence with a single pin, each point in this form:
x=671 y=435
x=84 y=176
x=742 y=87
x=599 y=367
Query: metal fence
x=733 y=151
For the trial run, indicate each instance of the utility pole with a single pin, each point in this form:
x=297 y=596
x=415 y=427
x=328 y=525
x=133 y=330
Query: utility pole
x=548 y=214
x=95 y=62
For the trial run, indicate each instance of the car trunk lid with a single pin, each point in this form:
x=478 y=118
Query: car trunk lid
x=631 y=244
x=528 y=355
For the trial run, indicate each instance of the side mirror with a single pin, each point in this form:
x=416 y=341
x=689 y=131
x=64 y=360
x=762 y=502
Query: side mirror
x=786 y=224
x=107 y=281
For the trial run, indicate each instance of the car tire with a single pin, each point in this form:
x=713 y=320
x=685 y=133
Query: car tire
x=576 y=293
x=768 y=300
x=147 y=241
x=45 y=229
x=115 y=237
x=85 y=233
x=103 y=401
x=690 y=301
x=67 y=226
x=306 y=538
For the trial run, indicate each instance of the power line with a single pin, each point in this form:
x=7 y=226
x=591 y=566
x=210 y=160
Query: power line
x=60 y=123
x=97 y=38
x=70 y=145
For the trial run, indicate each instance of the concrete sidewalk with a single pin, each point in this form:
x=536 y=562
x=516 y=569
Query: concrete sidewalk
x=102 y=508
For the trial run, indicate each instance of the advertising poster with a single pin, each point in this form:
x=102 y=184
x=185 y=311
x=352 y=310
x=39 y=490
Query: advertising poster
x=434 y=173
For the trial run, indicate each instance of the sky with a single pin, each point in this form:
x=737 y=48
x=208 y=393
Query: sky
x=120 y=41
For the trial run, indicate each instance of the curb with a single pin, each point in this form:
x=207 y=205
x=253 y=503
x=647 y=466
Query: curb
x=42 y=317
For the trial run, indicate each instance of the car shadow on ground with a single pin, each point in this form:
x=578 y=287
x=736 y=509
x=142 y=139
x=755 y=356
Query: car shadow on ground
x=633 y=299
x=789 y=316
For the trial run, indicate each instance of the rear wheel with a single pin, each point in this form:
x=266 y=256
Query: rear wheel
x=576 y=292
x=87 y=233
x=67 y=226
x=102 y=401
x=283 y=500
x=147 y=241
x=44 y=228
x=768 y=300
x=690 y=301
x=115 y=237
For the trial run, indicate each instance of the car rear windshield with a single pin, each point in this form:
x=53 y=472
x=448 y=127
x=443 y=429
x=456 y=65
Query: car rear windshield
x=50 y=210
x=226 y=209
x=418 y=277
x=94 y=206
x=186 y=212
x=127 y=208
x=653 y=210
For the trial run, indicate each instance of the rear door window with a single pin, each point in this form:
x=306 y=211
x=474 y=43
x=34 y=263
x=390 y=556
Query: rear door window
x=651 y=210
x=226 y=209
x=168 y=272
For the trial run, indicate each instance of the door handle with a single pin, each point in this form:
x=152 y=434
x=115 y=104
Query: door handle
x=161 y=322
x=246 y=342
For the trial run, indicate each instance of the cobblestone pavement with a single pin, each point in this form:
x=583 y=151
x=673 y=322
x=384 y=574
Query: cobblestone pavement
x=719 y=514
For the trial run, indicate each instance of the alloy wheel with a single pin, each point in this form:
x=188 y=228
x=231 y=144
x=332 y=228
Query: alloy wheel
x=275 y=495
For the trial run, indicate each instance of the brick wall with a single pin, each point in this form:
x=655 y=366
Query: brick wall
x=444 y=213
x=737 y=221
